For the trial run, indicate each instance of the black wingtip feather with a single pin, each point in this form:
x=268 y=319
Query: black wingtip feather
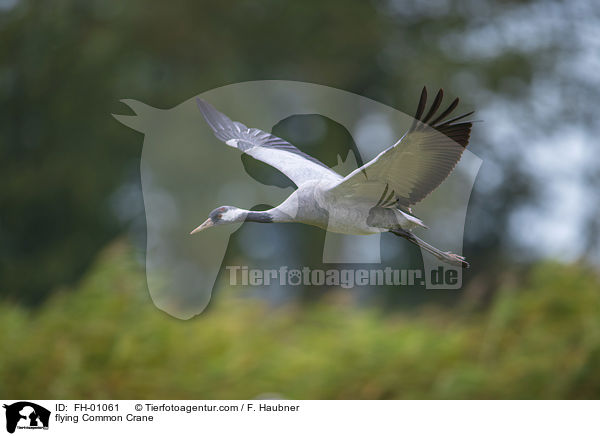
x=453 y=120
x=420 y=108
x=422 y=103
x=435 y=106
x=447 y=112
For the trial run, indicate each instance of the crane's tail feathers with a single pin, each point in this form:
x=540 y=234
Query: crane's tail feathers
x=445 y=256
x=412 y=219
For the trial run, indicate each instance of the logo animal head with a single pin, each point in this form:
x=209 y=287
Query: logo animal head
x=26 y=414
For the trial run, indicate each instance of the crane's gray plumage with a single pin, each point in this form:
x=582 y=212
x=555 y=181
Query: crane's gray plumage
x=374 y=198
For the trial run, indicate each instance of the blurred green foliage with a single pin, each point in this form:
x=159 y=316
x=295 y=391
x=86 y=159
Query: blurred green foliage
x=539 y=338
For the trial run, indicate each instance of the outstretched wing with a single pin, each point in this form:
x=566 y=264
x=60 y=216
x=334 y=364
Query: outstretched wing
x=419 y=162
x=280 y=154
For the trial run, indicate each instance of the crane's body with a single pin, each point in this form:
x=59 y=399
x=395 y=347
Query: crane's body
x=374 y=198
x=344 y=214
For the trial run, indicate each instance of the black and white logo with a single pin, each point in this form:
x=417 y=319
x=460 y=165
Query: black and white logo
x=26 y=415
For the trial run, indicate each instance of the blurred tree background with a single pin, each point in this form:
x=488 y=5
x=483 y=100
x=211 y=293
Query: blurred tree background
x=529 y=69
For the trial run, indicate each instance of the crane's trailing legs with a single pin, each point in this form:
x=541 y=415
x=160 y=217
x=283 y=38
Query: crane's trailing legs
x=445 y=256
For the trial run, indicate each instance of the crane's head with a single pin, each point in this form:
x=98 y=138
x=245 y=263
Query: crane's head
x=222 y=215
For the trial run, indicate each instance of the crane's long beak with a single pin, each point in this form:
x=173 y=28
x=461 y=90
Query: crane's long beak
x=205 y=225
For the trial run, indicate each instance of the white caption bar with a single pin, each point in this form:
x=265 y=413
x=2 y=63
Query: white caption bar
x=276 y=417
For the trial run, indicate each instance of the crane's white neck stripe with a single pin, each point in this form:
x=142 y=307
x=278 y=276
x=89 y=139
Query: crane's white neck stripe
x=233 y=215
